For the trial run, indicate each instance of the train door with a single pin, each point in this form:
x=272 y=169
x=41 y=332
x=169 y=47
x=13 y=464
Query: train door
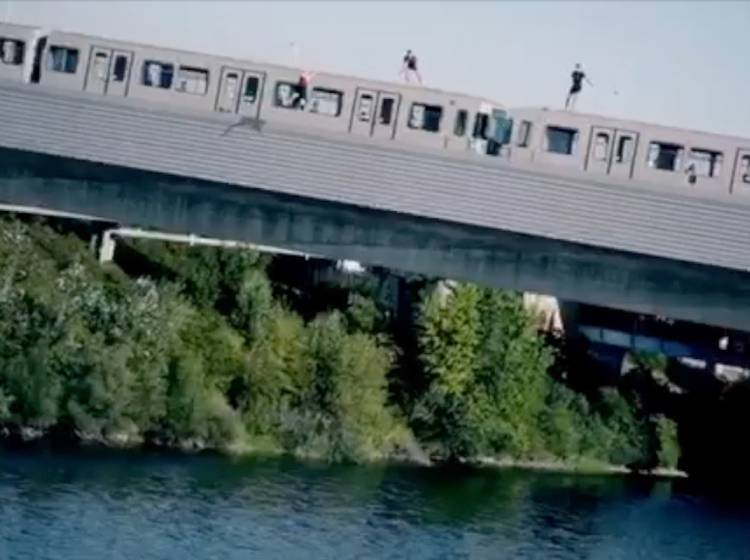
x=611 y=152
x=363 y=115
x=622 y=158
x=98 y=72
x=240 y=91
x=741 y=175
x=375 y=113
x=108 y=71
x=600 y=150
x=229 y=89
x=386 y=112
x=251 y=94
x=119 y=73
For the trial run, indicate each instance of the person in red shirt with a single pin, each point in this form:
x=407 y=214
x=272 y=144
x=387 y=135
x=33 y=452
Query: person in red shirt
x=300 y=98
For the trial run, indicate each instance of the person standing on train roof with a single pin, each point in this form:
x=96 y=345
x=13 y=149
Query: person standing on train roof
x=409 y=66
x=577 y=76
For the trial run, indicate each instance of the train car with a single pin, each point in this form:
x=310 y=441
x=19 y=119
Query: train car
x=182 y=80
x=628 y=151
x=405 y=116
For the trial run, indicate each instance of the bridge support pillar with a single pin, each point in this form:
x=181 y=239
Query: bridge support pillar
x=106 y=249
x=545 y=309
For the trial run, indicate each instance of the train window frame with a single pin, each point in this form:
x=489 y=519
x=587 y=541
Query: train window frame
x=166 y=69
x=294 y=87
x=63 y=59
x=386 y=110
x=251 y=97
x=524 y=134
x=706 y=163
x=431 y=117
x=502 y=128
x=744 y=169
x=624 y=151
x=561 y=140
x=481 y=124
x=661 y=153
x=461 y=123
x=365 y=105
x=328 y=95
x=600 y=150
x=19 y=51
x=192 y=80
x=120 y=71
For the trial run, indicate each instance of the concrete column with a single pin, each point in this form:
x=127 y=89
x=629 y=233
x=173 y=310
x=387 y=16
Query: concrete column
x=107 y=247
x=444 y=289
x=546 y=309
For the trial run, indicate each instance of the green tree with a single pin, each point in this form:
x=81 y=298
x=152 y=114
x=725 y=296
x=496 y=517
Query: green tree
x=449 y=349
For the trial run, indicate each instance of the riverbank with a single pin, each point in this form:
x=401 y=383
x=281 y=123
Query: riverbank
x=582 y=467
x=29 y=438
x=202 y=348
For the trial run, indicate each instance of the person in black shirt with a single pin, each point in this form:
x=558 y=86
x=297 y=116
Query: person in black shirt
x=410 y=65
x=575 y=88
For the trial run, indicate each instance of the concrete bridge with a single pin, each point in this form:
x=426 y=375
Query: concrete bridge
x=446 y=216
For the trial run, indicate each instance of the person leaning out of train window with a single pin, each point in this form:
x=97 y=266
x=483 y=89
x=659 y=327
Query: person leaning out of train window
x=300 y=95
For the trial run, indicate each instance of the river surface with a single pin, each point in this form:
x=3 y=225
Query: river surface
x=106 y=506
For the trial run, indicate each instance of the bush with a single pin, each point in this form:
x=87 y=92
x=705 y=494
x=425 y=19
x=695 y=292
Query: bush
x=486 y=368
x=203 y=354
x=669 y=447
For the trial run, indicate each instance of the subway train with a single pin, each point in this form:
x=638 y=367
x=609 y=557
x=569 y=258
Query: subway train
x=610 y=150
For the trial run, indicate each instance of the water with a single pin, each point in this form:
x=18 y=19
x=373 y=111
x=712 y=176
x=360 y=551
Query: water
x=97 y=505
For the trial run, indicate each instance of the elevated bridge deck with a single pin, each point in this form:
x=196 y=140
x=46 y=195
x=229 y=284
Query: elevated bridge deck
x=453 y=215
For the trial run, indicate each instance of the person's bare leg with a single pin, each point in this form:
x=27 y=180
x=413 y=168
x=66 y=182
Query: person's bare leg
x=573 y=100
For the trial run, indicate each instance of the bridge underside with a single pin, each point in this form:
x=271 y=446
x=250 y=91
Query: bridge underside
x=567 y=270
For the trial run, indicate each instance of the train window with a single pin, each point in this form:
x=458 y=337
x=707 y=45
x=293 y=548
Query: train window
x=386 y=110
x=745 y=169
x=287 y=95
x=601 y=146
x=624 y=149
x=562 y=140
x=707 y=163
x=462 y=118
x=62 y=59
x=425 y=117
x=665 y=156
x=503 y=129
x=11 y=51
x=192 y=80
x=252 y=84
x=326 y=102
x=524 y=134
x=364 y=111
x=158 y=74
x=481 y=124
x=120 y=68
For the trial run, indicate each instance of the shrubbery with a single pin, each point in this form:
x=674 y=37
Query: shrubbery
x=199 y=352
